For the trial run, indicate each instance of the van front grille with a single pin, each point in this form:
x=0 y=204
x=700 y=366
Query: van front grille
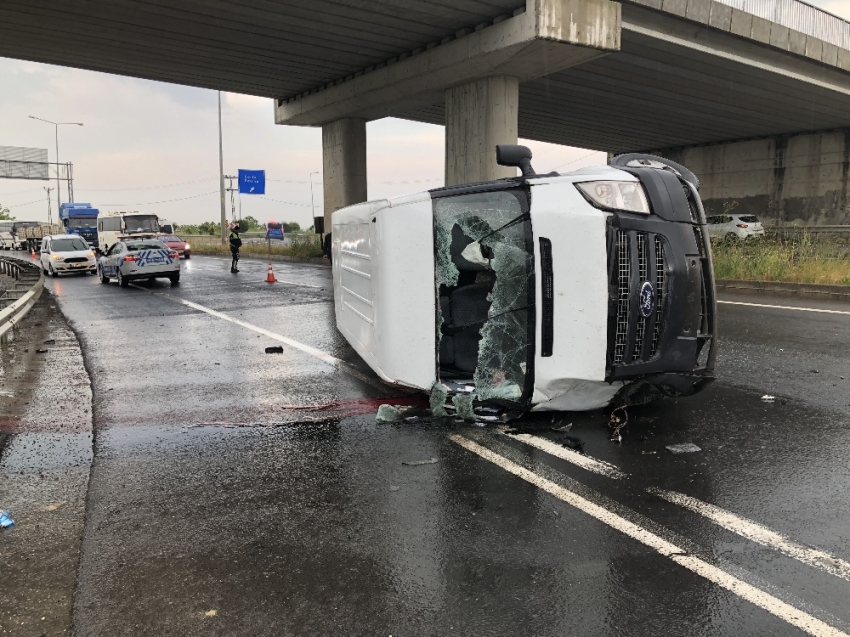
x=639 y=260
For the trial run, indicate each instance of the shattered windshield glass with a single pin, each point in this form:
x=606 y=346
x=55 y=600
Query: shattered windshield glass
x=484 y=274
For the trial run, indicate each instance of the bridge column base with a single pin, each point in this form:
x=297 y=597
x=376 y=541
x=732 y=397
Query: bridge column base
x=479 y=115
x=344 y=163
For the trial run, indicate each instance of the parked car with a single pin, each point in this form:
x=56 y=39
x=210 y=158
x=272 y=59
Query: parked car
x=733 y=226
x=542 y=292
x=134 y=259
x=177 y=244
x=66 y=253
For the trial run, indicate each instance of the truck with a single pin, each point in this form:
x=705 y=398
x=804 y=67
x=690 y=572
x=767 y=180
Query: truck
x=165 y=226
x=33 y=235
x=113 y=226
x=15 y=230
x=81 y=219
x=543 y=292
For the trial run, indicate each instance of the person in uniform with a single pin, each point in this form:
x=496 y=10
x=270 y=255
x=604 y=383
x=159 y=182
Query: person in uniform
x=235 y=244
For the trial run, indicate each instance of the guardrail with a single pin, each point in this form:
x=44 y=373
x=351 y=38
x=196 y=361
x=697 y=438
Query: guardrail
x=18 y=299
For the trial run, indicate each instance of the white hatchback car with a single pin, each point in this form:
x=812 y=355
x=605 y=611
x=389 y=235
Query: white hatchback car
x=134 y=259
x=66 y=253
x=734 y=226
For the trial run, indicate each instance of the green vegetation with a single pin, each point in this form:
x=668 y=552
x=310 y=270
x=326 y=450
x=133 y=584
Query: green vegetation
x=248 y=223
x=298 y=245
x=4 y=214
x=803 y=258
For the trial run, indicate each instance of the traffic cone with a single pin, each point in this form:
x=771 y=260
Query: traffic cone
x=32 y=254
x=270 y=276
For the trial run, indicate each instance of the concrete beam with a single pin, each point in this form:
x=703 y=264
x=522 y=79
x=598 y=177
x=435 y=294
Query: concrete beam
x=480 y=115
x=549 y=36
x=344 y=163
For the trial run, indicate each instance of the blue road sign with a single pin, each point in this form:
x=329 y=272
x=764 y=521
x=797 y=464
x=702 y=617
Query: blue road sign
x=252 y=182
x=274 y=230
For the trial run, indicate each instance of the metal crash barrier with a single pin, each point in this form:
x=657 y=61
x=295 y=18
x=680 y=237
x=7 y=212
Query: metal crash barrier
x=17 y=299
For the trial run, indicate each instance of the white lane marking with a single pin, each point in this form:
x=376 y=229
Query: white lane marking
x=312 y=351
x=585 y=462
x=785 y=307
x=794 y=616
x=303 y=285
x=760 y=534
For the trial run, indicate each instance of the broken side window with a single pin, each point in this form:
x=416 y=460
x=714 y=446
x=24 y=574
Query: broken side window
x=484 y=285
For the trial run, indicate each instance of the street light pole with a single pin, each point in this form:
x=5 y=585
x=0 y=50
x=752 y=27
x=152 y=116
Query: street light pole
x=56 y=130
x=221 y=173
x=312 y=202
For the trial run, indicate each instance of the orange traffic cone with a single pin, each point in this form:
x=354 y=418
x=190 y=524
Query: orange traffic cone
x=270 y=276
x=33 y=254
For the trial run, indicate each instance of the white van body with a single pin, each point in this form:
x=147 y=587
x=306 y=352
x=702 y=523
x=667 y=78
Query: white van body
x=584 y=346
x=113 y=226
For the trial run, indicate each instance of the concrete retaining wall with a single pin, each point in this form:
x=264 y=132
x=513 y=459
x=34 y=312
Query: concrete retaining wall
x=799 y=179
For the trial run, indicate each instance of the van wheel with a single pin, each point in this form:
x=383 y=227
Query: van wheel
x=54 y=273
x=174 y=278
x=101 y=275
x=122 y=280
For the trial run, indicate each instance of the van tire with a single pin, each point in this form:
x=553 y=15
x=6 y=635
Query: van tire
x=53 y=273
x=174 y=278
x=122 y=280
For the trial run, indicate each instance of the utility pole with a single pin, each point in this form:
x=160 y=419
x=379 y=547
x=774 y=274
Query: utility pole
x=49 y=211
x=312 y=202
x=221 y=175
x=231 y=190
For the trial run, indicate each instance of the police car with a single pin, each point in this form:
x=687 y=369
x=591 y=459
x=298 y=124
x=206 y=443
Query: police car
x=134 y=259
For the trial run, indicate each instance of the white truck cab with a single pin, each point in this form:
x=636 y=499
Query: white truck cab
x=115 y=225
x=542 y=292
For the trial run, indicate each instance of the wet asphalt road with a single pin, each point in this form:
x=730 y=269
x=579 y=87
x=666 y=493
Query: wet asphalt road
x=260 y=487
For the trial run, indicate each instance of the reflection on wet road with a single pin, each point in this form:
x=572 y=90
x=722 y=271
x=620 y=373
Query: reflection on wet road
x=259 y=485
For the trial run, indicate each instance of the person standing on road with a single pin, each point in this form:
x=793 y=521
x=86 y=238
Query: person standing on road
x=327 y=248
x=235 y=244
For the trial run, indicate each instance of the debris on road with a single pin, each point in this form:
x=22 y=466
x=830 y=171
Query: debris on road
x=275 y=349
x=211 y=613
x=463 y=406
x=6 y=521
x=50 y=341
x=53 y=507
x=563 y=428
x=617 y=423
x=388 y=413
x=767 y=398
x=685 y=447
x=437 y=402
x=419 y=463
x=41 y=351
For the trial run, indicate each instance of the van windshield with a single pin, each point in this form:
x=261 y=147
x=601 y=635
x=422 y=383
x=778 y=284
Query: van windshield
x=141 y=223
x=68 y=245
x=484 y=284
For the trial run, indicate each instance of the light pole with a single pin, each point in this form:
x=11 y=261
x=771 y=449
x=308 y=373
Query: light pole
x=56 y=128
x=312 y=202
x=221 y=173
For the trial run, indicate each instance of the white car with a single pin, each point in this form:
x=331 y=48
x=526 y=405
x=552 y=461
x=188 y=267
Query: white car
x=66 y=253
x=734 y=226
x=134 y=259
x=7 y=241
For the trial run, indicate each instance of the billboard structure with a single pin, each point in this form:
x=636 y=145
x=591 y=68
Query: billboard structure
x=23 y=163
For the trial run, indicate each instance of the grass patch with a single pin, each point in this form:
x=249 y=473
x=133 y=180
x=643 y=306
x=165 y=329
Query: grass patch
x=299 y=246
x=800 y=259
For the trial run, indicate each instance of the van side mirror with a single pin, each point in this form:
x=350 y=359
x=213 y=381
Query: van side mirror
x=513 y=155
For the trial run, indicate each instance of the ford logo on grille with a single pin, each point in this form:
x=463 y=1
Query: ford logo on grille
x=647 y=299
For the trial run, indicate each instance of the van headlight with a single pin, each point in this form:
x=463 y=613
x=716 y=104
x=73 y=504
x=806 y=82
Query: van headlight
x=616 y=195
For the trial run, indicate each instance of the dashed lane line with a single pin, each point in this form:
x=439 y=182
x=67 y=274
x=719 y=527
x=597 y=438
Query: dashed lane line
x=583 y=461
x=312 y=351
x=759 y=534
x=773 y=605
x=786 y=307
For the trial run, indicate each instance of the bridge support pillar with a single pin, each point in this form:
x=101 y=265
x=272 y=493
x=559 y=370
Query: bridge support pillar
x=344 y=163
x=479 y=115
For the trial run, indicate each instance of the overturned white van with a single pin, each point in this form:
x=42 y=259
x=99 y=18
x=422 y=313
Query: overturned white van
x=542 y=292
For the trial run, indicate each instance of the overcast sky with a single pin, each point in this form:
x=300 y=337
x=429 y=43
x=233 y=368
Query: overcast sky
x=153 y=146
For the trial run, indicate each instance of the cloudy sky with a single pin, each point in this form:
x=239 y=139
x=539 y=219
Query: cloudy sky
x=153 y=146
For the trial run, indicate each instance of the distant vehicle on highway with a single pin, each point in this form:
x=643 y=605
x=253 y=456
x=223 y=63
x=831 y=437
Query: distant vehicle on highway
x=81 y=219
x=33 y=235
x=165 y=226
x=16 y=229
x=733 y=226
x=177 y=244
x=7 y=241
x=66 y=253
x=544 y=292
x=133 y=259
x=115 y=226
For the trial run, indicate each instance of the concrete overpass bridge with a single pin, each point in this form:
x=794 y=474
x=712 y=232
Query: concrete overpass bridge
x=753 y=95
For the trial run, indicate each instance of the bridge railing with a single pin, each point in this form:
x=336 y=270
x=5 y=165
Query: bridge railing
x=799 y=16
x=22 y=293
